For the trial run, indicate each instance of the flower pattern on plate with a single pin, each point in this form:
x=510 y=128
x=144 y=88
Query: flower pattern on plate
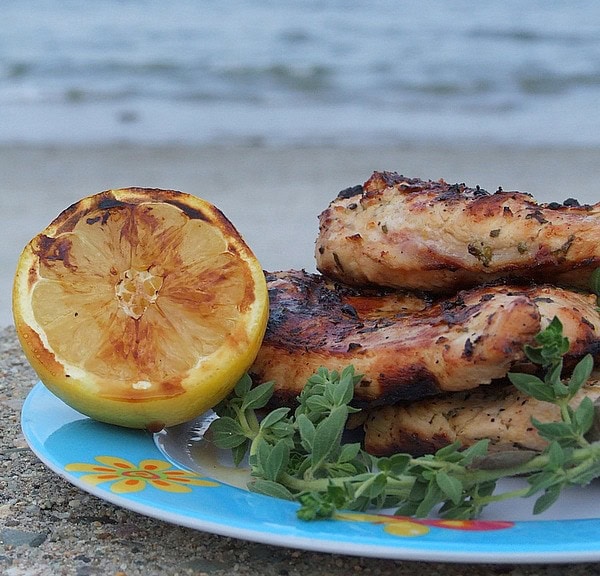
x=125 y=476
x=405 y=526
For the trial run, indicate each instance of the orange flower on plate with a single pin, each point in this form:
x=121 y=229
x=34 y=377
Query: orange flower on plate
x=125 y=476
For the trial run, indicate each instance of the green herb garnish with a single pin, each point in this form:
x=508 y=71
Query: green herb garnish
x=301 y=455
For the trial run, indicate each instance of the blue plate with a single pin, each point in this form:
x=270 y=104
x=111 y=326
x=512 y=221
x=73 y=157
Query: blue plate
x=145 y=473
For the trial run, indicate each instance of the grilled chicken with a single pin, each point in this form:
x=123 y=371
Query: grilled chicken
x=406 y=347
x=500 y=413
x=414 y=234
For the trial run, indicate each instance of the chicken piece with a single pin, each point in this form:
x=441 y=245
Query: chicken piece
x=414 y=234
x=405 y=347
x=501 y=414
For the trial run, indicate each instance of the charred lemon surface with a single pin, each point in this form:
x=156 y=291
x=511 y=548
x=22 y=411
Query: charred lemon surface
x=140 y=307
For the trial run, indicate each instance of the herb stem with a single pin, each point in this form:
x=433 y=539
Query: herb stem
x=500 y=497
x=400 y=485
x=248 y=421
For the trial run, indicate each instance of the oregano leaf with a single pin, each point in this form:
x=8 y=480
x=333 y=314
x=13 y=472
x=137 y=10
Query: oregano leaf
x=239 y=452
x=547 y=499
x=556 y=456
x=328 y=434
x=349 y=452
x=269 y=488
x=595 y=281
x=581 y=373
x=450 y=486
x=273 y=417
x=275 y=462
x=553 y=430
x=430 y=498
x=243 y=386
x=532 y=386
x=584 y=415
x=258 y=397
x=226 y=433
x=307 y=432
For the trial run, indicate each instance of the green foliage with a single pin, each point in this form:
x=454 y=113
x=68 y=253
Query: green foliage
x=302 y=455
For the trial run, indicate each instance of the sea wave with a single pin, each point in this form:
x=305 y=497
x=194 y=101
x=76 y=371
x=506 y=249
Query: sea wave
x=265 y=70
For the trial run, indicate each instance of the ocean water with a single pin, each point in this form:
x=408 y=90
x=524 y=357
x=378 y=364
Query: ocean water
x=303 y=72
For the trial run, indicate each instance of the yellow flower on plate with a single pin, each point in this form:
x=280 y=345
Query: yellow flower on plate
x=397 y=526
x=125 y=476
x=405 y=526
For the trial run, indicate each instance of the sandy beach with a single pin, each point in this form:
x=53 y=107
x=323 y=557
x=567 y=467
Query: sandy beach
x=272 y=195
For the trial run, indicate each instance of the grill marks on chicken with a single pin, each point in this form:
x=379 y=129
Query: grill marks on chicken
x=475 y=269
x=500 y=413
x=407 y=347
x=429 y=235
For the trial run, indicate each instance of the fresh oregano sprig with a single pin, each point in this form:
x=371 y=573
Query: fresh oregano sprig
x=302 y=455
x=575 y=423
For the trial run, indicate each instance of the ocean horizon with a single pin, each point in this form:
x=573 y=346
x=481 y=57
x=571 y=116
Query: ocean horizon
x=315 y=72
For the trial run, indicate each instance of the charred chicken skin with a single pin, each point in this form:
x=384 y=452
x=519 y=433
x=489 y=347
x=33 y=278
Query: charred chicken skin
x=429 y=235
x=405 y=346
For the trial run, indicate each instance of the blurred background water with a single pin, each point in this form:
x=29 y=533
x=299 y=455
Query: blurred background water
x=301 y=72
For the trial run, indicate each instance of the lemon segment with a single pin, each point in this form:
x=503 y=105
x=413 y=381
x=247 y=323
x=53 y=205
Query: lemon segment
x=140 y=307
